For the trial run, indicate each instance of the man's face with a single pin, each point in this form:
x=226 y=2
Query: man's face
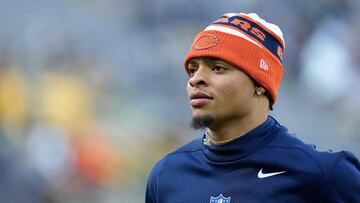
x=218 y=91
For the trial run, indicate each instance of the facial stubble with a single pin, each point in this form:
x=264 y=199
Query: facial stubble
x=203 y=122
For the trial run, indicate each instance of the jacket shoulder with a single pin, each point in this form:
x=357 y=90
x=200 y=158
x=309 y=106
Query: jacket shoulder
x=190 y=146
x=326 y=160
x=172 y=158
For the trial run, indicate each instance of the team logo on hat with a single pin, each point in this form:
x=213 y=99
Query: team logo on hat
x=220 y=199
x=206 y=41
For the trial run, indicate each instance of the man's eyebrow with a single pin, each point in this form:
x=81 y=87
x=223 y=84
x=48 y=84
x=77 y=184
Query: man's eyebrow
x=206 y=59
x=209 y=59
x=192 y=62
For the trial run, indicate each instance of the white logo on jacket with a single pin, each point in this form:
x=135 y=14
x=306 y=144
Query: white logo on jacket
x=220 y=199
x=266 y=175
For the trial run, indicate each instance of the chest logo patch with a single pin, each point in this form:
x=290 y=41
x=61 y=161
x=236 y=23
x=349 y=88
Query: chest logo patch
x=220 y=199
x=266 y=175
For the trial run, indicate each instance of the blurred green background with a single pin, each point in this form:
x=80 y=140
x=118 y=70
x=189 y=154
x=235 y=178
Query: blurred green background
x=92 y=92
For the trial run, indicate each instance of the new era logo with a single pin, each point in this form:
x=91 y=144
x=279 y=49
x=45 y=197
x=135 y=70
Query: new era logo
x=263 y=65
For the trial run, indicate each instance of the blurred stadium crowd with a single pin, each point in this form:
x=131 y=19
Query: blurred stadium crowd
x=92 y=93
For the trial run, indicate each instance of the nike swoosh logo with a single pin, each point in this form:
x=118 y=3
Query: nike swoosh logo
x=266 y=175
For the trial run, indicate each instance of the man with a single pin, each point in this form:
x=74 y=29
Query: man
x=235 y=68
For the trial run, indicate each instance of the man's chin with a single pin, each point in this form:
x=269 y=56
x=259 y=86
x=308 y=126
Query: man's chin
x=201 y=122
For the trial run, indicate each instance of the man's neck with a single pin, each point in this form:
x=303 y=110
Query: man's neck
x=234 y=129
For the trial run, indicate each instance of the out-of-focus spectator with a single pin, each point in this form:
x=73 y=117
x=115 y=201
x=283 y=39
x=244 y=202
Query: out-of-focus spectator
x=64 y=101
x=327 y=70
x=94 y=158
x=13 y=100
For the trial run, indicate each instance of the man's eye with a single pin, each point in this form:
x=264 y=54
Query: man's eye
x=191 y=71
x=218 y=68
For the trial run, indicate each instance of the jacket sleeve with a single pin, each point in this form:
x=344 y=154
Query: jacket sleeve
x=344 y=181
x=150 y=192
x=151 y=195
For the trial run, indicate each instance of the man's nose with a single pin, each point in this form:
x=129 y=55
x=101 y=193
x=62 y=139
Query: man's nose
x=199 y=78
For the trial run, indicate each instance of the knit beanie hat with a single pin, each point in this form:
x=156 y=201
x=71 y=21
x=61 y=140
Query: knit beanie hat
x=246 y=41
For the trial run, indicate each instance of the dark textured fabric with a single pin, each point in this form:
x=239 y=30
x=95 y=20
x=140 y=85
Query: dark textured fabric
x=234 y=172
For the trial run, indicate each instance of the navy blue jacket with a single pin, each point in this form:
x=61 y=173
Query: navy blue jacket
x=265 y=165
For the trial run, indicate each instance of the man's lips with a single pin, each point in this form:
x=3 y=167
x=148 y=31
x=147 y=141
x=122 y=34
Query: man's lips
x=200 y=98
